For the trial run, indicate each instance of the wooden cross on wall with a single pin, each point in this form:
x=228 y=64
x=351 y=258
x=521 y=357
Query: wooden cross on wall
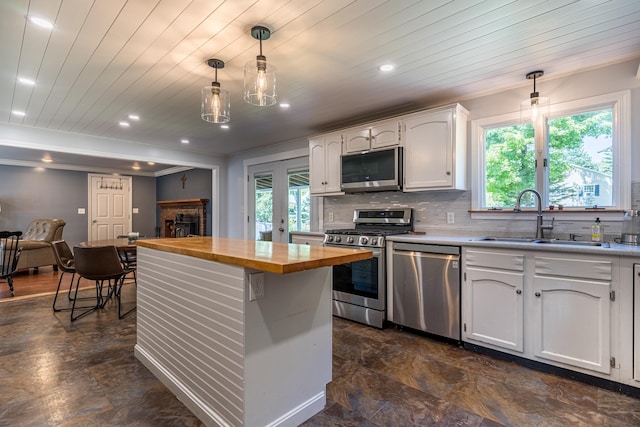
x=183 y=178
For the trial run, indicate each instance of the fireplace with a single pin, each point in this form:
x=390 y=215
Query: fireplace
x=182 y=218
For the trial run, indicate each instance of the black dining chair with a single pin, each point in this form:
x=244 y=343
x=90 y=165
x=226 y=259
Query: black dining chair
x=66 y=264
x=9 y=255
x=99 y=264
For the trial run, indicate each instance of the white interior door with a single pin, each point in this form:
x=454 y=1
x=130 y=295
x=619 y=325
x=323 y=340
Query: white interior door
x=279 y=199
x=109 y=207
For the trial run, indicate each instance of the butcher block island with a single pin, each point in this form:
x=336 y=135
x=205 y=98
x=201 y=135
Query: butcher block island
x=240 y=331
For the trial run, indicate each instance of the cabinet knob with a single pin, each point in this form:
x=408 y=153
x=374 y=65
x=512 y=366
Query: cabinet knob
x=537 y=294
x=518 y=291
x=448 y=172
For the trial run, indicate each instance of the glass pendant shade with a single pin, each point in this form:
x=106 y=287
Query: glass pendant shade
x=535 y=106
x=260 y=83
x=216 y=104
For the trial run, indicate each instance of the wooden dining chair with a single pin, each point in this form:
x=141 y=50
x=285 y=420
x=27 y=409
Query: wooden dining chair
x=9 y=255
x=100 y=264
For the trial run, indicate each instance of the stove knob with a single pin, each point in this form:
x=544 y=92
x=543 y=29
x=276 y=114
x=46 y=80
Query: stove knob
x=374 y=241
x=329 y=238
x=338 y=239
x=364 y=240
x=350 y=239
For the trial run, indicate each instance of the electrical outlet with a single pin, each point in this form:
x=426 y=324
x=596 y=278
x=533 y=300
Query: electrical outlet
x=451 y=219
x=256 y=286
x=330 y=216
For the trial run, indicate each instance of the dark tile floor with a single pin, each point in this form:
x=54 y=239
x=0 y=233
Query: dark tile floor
x=57 y=373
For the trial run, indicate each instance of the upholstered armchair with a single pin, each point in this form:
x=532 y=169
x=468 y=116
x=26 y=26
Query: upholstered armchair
x=36 y=243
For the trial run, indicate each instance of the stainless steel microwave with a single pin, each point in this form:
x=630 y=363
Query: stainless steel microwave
x=375 y=170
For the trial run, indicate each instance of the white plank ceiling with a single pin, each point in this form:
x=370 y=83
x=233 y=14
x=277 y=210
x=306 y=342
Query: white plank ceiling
x=105 y=59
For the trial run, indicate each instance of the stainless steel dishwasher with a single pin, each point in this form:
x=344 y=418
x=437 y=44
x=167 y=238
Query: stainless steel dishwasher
x=425 y=288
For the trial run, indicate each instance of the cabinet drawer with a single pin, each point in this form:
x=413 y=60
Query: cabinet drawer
x=570 y=267
x=501 y=260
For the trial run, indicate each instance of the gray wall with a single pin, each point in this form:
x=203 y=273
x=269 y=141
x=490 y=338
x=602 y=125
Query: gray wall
x=29 y=193
x=197 y=185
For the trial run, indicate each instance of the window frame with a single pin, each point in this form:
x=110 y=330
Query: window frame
x=619 y=102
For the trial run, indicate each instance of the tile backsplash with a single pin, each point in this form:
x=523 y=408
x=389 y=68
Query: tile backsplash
x=430 y=215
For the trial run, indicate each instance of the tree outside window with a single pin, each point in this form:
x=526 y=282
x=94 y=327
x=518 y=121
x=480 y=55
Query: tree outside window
x=580 y=159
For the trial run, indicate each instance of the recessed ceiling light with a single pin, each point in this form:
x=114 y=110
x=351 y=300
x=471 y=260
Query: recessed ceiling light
x=19 y=113
x=151 y=163
x=285 y=105
x=124 y=124
x=184 y=141
x=134 y=117
x=47 y=159
x=26 y=81
x=224 y=126
x=41 y=22
x=135 y=166
x=386 y=67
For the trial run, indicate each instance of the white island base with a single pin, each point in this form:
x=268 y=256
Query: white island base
x=231 y=361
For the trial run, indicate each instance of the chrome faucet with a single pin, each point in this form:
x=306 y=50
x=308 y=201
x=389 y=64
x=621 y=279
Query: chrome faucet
x=539 y=221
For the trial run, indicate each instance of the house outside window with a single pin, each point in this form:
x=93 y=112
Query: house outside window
x=578 y=157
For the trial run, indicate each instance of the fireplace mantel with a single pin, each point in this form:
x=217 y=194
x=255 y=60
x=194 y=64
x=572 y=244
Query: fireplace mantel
x=182 y=202
x=169 y=209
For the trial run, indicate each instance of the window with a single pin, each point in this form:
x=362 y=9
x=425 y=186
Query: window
x=578 y=157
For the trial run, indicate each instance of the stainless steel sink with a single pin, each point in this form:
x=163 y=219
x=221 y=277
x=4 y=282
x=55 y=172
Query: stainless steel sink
x=507 y=239
x=570 y=242
x=542 y=241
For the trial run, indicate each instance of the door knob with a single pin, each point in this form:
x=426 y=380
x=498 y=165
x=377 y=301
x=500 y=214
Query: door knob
x=537 y=294
x=281 y=229
x=518 y=291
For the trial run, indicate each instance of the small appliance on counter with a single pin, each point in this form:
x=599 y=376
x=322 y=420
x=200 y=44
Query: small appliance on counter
x=630 y=228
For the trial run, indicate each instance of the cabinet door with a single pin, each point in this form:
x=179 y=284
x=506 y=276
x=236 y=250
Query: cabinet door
x=493 y=308
x=357 y=140
x=385 y=134
x=636 y=322
x=572 y=322
x=333 y=151
x=428 y=157
x=316 y=166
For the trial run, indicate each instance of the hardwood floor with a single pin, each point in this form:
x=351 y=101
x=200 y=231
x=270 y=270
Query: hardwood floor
x=44 y=281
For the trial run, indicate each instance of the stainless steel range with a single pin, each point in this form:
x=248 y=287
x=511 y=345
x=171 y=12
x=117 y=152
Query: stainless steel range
x=359 y=288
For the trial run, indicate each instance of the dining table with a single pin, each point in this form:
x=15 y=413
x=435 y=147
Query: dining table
x=119 y=243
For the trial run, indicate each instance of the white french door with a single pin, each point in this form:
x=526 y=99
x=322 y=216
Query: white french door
x=279 y=199
x=109 y=206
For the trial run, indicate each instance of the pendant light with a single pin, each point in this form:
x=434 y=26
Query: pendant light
x=535 y=106
x=260 y=78
x=216 y=103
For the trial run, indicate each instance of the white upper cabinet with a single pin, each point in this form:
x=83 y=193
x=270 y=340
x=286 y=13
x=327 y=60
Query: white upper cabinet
x=371 y=137
x=435 y=149
x=324 y=164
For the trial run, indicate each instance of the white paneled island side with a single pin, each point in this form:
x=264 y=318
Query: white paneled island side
x=233 y=356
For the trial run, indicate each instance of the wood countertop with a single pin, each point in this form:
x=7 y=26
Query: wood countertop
x=273 y=257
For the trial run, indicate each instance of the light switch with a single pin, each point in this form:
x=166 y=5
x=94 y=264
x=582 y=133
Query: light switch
x=136 y=210
x=81 y=211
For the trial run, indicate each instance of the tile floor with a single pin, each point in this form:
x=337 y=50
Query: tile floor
x=56 y=373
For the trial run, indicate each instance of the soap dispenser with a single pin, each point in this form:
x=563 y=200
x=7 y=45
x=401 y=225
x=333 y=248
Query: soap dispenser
x=597 y=232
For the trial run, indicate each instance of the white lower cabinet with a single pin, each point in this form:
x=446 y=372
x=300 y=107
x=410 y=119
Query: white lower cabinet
x=492 y=298
x=565 y=315
x=572 y=311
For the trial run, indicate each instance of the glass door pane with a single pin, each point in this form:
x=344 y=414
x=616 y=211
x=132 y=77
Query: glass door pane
x=263 y=197
x=299 y=200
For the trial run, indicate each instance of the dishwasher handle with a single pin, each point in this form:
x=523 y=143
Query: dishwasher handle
x=432 y=249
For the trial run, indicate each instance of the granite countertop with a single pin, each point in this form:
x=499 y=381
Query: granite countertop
x=608 y=248
x=272 y=257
